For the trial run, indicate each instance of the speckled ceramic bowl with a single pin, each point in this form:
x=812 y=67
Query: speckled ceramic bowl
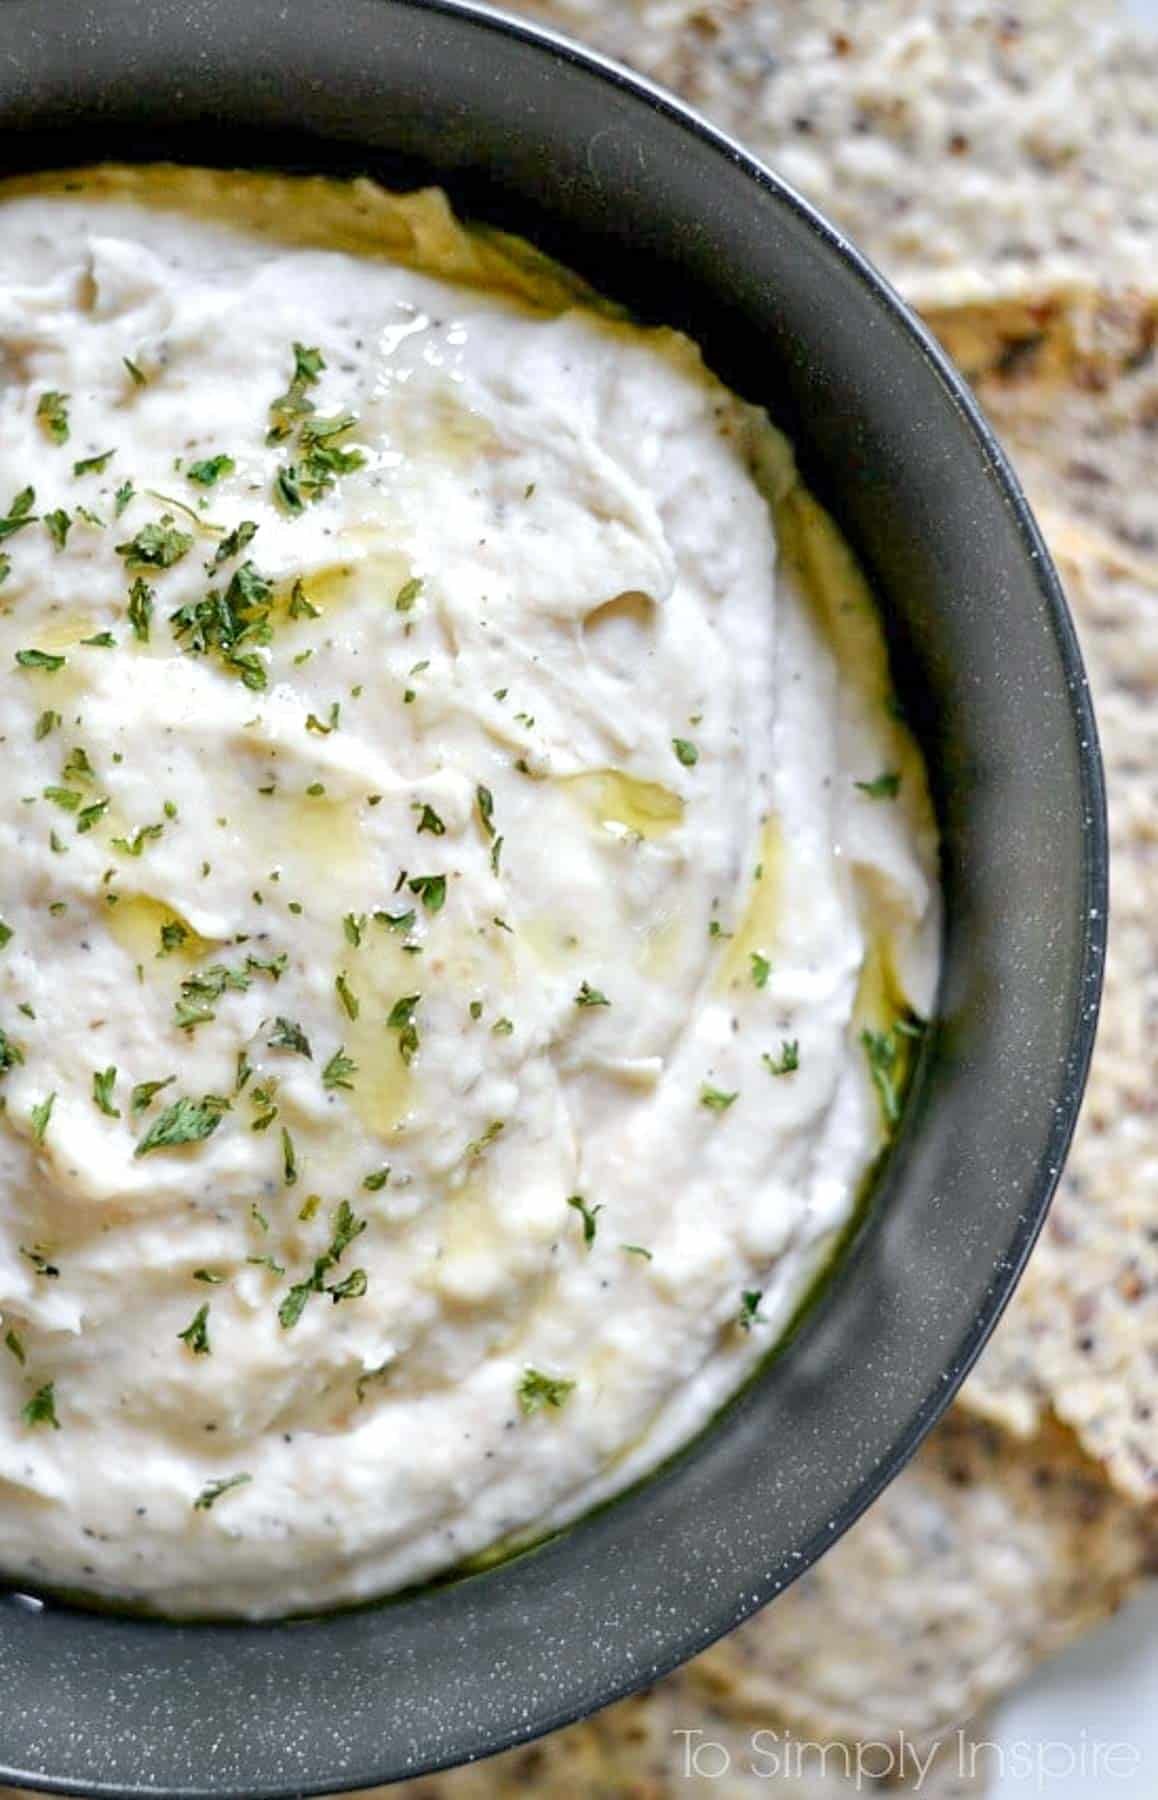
x=664 y=214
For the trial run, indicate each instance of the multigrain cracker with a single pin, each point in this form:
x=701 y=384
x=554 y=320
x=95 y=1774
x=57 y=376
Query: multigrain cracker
x=983 y=1558
x=1081 y=1336
x=1070 y=383
x=974 y=151
x=671 y=1742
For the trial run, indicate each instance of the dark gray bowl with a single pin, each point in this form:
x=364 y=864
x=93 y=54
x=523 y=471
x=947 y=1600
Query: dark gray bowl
x=666 y=215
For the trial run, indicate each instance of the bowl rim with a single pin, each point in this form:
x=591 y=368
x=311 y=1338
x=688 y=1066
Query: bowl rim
x=714 y=1621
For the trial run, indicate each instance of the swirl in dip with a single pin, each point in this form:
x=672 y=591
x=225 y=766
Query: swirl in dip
x=466 y=894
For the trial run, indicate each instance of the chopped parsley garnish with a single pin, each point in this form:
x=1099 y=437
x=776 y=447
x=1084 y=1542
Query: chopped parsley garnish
x=77 y=766
x=749 y=1313
x=715 y=1099
x=375 y=1182
x=52 y=415
x=295 y=404
x=40 y=659
x=234 y=542
x=6 y=934
x=686 y=752
x=213 y=1490
x=486 y=809
x=589 y=996
x=351 y=1288
x=185 y=1122
x=407 y=594
x=157 y=545
x=338 y=1070
x=19 y=514
x=883 y=1052
x=93 y=465
x=122 y=497
x=289 y=1160
x=431 y=890
x=210 y=471
x=40 y=1116
x=201 y=990
x=67 y=799
x=15 y=1343
x=537 y=1390
x=228 y=623
x=300 y=604
x=401 y=1020
x=46 y=724
x=346 y=995
x=761 y=969
x=353 y=925
x=196 y=1333
x=103 y=1083
x=429 y=820
x=788 y=1061
x=146 y=1092
x=11 y=1056
x=882 y=787
x=135 y=845
x=288 y=1035
x=41 y=1409
x=321 y=459
x=208 y=1275
x=403 y=921
x=137 y=374
x=588 y=1214
x=346 y=1228
x=140 y=608
x=637 y=1250
x=102 y=640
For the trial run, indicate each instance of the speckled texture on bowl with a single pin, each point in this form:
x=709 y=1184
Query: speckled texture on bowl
x=676 y=221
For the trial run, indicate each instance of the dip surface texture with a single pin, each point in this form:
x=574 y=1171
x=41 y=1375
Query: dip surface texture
x=462 y=883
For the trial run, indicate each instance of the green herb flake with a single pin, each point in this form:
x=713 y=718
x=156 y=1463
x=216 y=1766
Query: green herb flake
x=375 y=1182
x=429 y=820
x=788 y=1061
x=52 y=415
x=157 y=545
x=288 y=1035
x=146 y=1092
x=210 y=471
x=882 y=787
x=590 y=996
x=485 y=801
x=407 y=594
x=761 y=969
x=196 y=1333
x=46 y=724
x=686 y=752
x=15 y=1344
x=349 y=999
x=749 y=1314
x=40 y=1116
x=103 y=1083
x=208 y=1275
x=186 y=1121
x=41 y=1409
x=140 y=608
x=93 y=465
x=353 y=925
x=431 y=890
x=715 y=1099
x=289 y=1160
x=338 y=1071
x=588 y=1214
x=19 y=514
x=44 y=660
x=536 y=1391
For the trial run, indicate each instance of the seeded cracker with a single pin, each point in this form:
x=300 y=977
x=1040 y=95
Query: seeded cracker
x=975 y=151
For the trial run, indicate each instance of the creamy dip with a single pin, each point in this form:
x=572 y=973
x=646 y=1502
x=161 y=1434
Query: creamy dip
x=465 y=890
